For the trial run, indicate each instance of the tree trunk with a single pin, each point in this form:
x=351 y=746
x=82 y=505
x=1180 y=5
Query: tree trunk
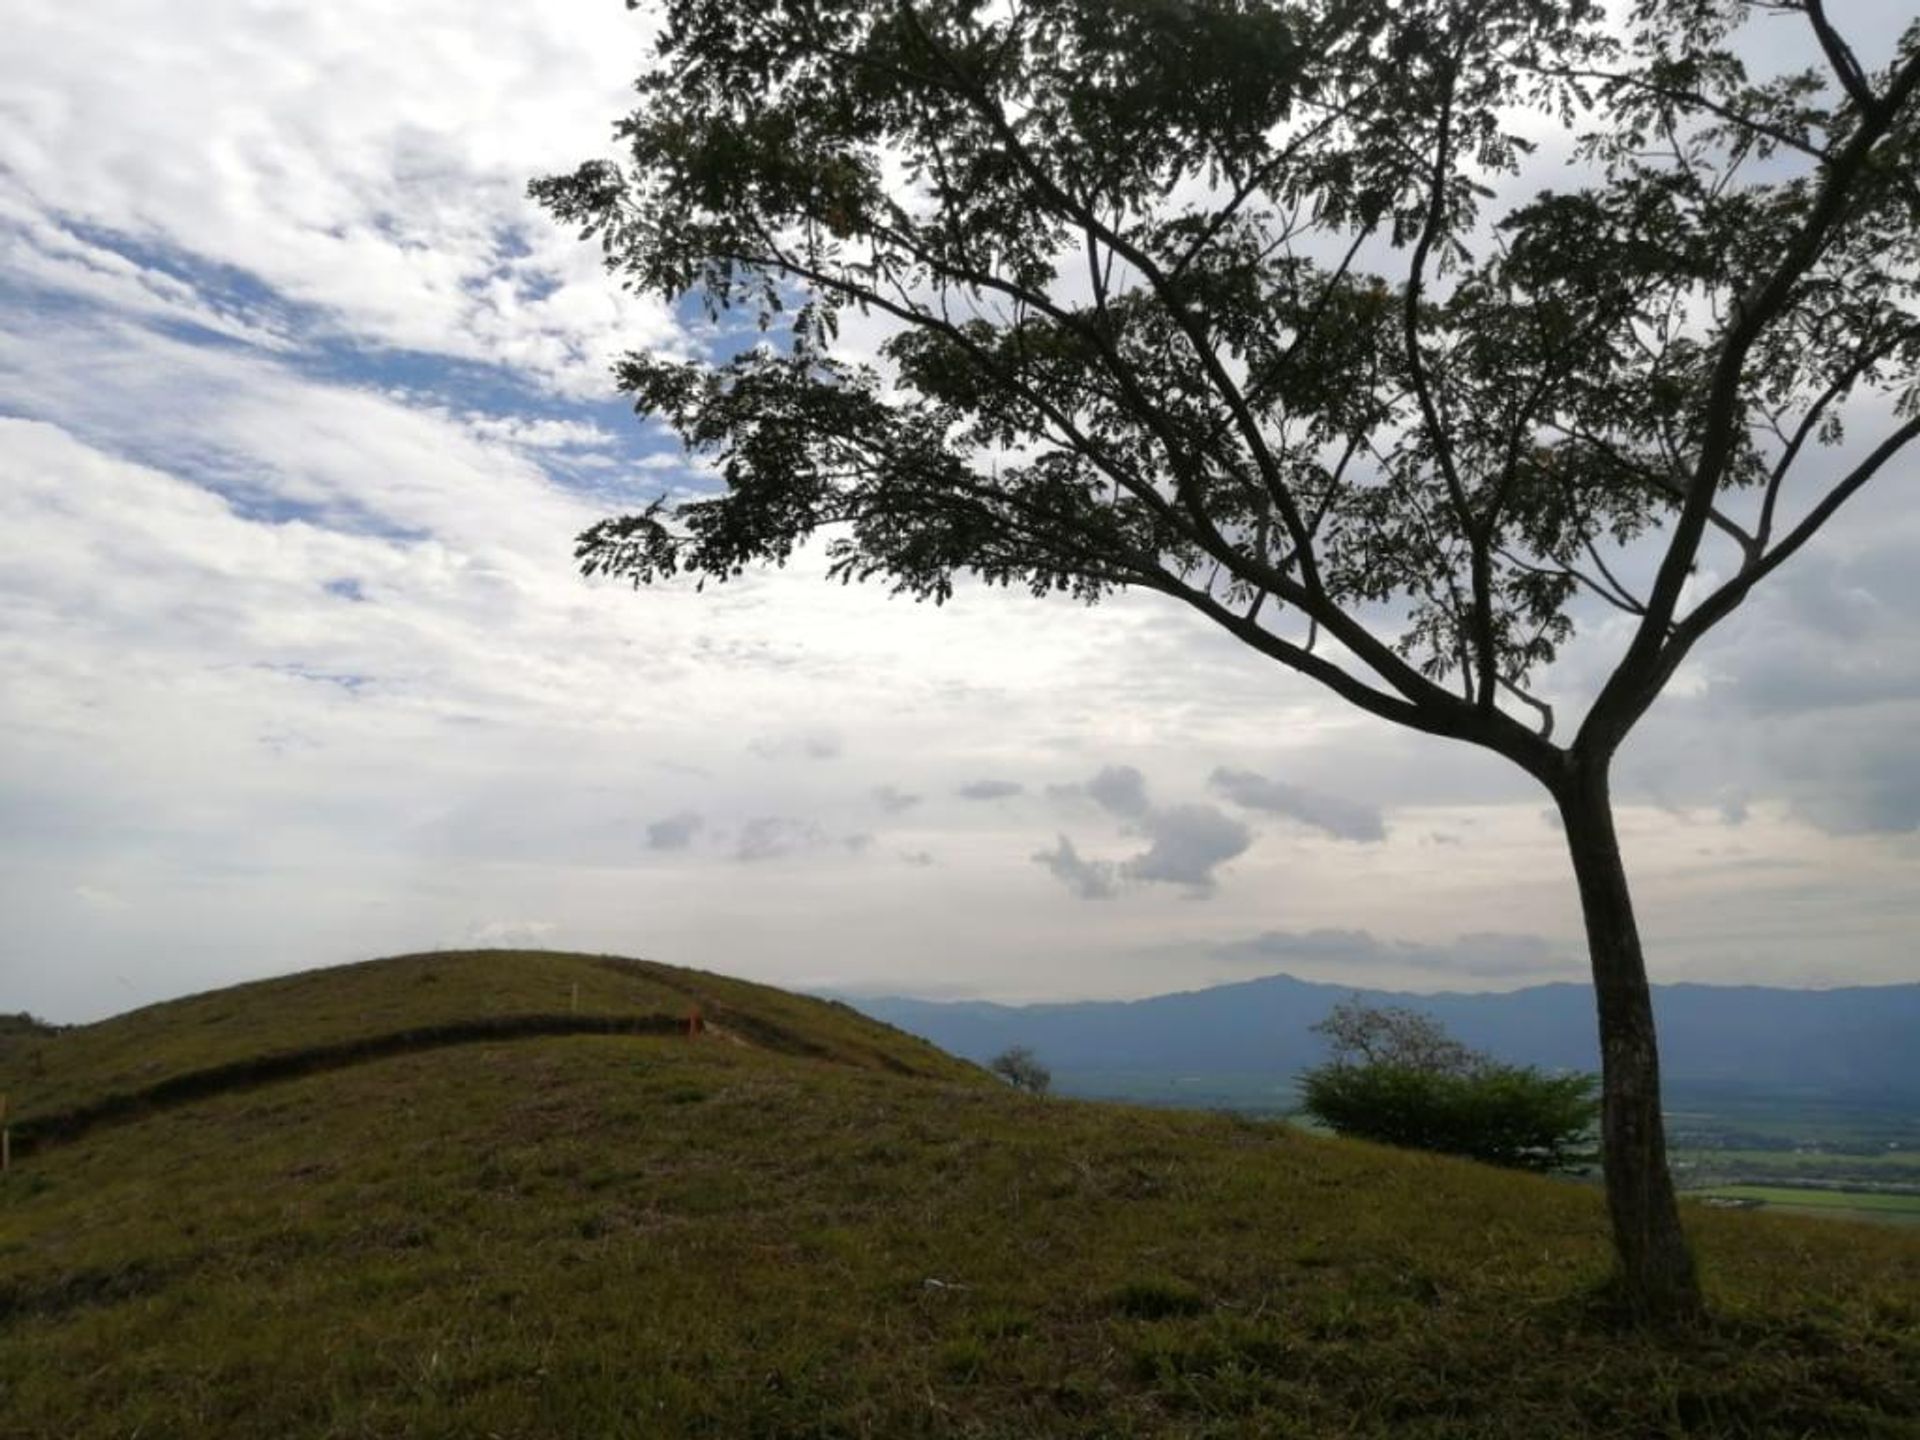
x=1656 y=1273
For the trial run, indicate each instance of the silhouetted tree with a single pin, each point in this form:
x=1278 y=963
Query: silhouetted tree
x=1361 y=1034
x=1216 y=299
x=1021 y=1068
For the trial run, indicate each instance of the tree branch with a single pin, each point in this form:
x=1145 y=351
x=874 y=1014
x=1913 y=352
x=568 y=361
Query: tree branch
x=1480 y=614
x=1841 y=383
x=1636 y=679
x=1729 y=595
x=1368 y=647
x=1784 y=138
x=1846 y=66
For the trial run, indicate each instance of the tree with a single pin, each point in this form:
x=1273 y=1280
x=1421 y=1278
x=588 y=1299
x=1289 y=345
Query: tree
x=1218 y=299
x=1396 y=1076
x=1021 y=1068
x=1362 y=1034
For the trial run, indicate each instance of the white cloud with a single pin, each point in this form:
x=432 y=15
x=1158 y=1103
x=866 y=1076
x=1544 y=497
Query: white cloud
x=365 y=159
x=1187 y=843
x=1120 y=789
x=818 y=744
x=675 y=831
x=990 y=789
x=770 y=837
x=511 y=934
x=298 y=668
x=1343 y=819
x=893 y=800
x=1086 y=879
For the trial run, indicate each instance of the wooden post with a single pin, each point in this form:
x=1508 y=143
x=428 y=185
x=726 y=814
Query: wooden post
x=6 y=1137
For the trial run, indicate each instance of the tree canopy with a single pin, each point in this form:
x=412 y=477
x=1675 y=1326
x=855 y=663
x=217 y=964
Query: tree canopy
x=1396 y=337
x=1236 y=302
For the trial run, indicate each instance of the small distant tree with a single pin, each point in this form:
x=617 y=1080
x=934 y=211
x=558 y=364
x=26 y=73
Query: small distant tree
x=1397 y=1077
x=1362 y=1034
x=1022 y=1069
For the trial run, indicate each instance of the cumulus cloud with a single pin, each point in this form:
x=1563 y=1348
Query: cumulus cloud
x=1187 y=844
x=893 y=800
x=798 y=745
x=989 y=789
x=768 y=837
x=1088 y=879
x=1809 y=696
x=1341 y=818
x=674 y=832
x=1854 y=774
x=1120 y=789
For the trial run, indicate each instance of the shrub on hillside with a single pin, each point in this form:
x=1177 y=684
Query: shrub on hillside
x=1397 y=1077
x=1503 y=1114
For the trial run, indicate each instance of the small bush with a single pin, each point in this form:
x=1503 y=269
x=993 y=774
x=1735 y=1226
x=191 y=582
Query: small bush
x=1020 y=1068
x=1509 y=1115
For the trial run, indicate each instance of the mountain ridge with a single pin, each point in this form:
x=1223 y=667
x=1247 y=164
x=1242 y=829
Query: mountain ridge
x=1853 y=1039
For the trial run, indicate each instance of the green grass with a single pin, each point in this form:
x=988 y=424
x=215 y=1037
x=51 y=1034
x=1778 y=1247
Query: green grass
x=1715 y=1170
x=1870 y=1204
x=1724 y=1117
x=1791 y=1161
x=655 y=1236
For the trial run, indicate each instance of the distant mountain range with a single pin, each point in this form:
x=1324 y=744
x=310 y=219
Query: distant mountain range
x=1862 y=1042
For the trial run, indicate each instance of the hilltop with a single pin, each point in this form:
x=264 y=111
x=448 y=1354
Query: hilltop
x=441 y=1195
x=66 y=1080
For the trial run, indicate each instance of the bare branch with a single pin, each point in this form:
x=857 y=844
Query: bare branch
x=1534 y=703
x=1810 y=421
x=1729 y=595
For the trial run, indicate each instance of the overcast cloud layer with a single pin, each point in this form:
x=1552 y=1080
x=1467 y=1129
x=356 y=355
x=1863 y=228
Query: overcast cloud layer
x=300 y=407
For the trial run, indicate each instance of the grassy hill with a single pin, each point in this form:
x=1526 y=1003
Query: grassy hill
x=453 y=1217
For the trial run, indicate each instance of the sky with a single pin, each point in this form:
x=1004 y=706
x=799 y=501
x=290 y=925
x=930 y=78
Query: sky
x=301 y=405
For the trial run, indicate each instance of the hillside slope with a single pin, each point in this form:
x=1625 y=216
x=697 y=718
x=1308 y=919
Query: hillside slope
x=415 y=1002
x=787 y=1235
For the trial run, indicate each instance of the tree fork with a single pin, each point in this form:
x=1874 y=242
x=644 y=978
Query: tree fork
x=1656 y=1269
